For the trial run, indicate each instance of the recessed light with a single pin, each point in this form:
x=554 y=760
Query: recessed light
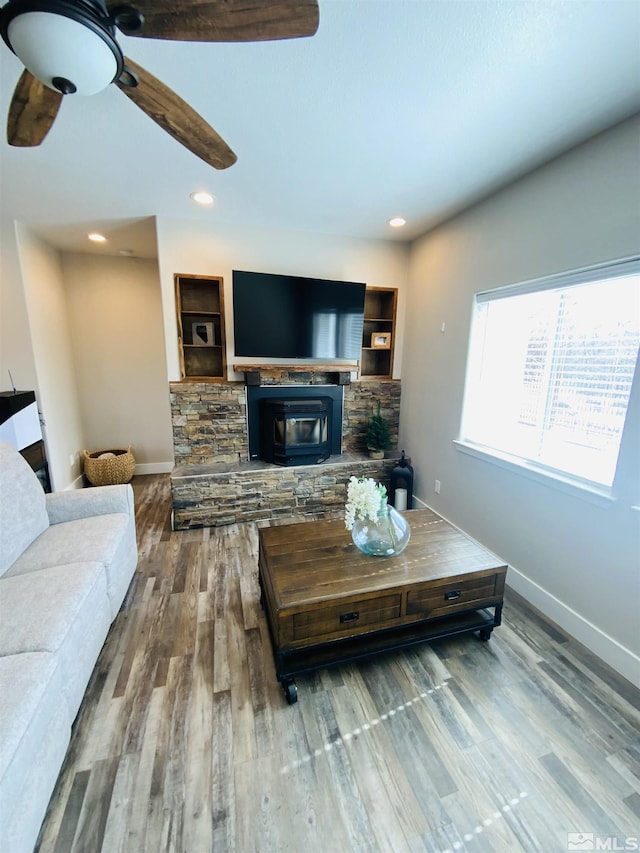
x=202 y=197
x=397 y=222
x=97 y=238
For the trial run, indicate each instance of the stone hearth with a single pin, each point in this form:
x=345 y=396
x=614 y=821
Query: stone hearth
x=213 y=495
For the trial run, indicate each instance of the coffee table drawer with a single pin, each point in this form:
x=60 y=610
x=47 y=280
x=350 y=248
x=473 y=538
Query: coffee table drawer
x=345 y=619
x=431 y=600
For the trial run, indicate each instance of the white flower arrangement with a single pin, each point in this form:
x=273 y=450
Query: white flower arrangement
x=365 y=499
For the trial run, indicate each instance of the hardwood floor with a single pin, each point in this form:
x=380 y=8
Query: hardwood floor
x=185 y=743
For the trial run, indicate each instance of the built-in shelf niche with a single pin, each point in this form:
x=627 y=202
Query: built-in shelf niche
x=201 y=336
x=379 y=323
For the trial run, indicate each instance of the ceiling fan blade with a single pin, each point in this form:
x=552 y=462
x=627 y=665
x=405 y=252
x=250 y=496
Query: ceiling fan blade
x=32 y=111
x=175 y=116
x=221 y=20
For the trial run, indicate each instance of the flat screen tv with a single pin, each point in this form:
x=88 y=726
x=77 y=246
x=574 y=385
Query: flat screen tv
x=286 y=316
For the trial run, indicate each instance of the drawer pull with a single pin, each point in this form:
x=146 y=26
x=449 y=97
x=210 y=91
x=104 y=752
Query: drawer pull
x=452 y=595
x=349 y=617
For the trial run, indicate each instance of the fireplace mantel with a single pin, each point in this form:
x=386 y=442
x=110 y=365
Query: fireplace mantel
x=253 y=372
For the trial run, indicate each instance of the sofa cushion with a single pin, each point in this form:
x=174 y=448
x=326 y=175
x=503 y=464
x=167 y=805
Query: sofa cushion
x=23 y=514
x=64 y=610
x=36 y=729
x=106 y=539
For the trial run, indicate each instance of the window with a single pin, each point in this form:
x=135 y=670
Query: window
x=550 y=368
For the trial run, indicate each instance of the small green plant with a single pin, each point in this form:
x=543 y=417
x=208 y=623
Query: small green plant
x=378 y=437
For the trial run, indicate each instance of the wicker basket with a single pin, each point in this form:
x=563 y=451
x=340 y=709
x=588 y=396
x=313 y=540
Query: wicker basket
x=109 y=470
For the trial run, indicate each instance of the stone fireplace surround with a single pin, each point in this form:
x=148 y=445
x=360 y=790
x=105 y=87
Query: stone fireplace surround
x=213 y=483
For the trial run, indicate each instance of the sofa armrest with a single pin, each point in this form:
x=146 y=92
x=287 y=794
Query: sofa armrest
x=82 y=503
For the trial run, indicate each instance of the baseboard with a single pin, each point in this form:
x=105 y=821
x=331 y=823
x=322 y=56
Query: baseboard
x=617 y=656
x=141 y=468
x=154 y=467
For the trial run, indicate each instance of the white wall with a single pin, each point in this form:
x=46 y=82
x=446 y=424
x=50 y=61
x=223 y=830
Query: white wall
x=16 y=353
x=214 y=249
x=85 y=332
x=575 y=560
x=115 y=326
x=50 y=337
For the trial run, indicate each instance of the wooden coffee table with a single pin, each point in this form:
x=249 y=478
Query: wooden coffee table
x=327 y=603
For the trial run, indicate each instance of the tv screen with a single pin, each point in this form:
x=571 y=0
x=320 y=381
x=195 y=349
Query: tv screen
x=285 y=316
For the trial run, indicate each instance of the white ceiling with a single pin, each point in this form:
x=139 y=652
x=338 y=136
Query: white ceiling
x=395 y=107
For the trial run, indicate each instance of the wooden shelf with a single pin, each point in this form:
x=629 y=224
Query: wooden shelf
x=253 y=372
x=201 y=336
x=379 y=317
x=297 y=368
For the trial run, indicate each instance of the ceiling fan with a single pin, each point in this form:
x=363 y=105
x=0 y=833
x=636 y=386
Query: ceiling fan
x=70 y=46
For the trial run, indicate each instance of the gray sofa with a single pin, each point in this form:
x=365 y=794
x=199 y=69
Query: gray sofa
x=66 y=562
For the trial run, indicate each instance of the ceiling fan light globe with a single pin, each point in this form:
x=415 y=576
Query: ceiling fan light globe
x=52 y=46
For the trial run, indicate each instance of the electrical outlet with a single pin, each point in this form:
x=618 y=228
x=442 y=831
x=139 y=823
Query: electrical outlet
x=72 y=458
x=436 y=487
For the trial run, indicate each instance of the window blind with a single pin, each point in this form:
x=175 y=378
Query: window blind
x=551 y=364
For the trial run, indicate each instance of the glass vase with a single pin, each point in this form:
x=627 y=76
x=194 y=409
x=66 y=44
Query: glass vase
x=388 y=535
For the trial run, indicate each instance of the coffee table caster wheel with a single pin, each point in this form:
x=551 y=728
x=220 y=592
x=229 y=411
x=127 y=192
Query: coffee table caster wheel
x=485 y=634
x=290 y=692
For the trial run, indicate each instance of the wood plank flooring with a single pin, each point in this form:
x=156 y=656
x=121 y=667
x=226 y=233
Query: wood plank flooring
x=185 y=743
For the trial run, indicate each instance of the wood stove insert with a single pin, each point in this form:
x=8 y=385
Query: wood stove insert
x=294 y=425
x=295 y=432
